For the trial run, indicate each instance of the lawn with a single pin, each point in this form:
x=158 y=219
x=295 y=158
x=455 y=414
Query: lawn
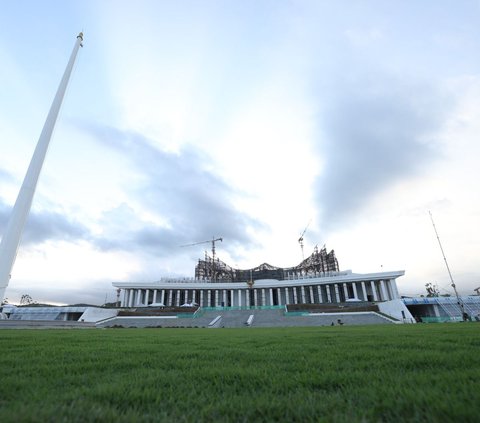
x=389 y=373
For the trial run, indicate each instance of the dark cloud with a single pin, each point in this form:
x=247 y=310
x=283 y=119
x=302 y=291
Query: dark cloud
x=178 y=188
x=45 y=225
x=374 y=133
x=124 y=230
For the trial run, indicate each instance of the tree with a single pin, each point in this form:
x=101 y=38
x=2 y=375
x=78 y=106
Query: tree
x=26 y=300
x=432 y=290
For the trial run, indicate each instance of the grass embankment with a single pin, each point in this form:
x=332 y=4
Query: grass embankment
x=385 y=373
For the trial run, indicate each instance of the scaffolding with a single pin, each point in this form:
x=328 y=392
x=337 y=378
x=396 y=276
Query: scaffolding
x=318 y=263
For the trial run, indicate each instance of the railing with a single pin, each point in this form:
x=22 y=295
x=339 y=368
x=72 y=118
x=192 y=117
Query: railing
x=296 y=313
x=276 y=307
x=215 y=321
x=197 y=313
x=441 y=319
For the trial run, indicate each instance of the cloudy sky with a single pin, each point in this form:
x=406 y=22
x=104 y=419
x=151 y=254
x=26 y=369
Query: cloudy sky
x=244 y=120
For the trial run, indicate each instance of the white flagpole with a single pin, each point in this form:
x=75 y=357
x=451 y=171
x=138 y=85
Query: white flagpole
x=13 y=232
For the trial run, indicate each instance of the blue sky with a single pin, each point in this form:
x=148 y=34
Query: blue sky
x=246 y=120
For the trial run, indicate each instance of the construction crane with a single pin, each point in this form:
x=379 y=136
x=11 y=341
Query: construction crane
x=213 y=241
x=300 y=240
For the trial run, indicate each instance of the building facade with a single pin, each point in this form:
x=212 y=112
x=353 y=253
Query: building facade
x=330 y=287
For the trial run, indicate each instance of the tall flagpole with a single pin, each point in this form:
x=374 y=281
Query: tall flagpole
x=13 y=233
x=459 y=301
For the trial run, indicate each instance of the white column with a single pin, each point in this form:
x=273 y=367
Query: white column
x=170 y=297
x=271 y=296
x=201 y=299
x=312 y=298
x=320 y=298
x=393 y=284
x=354 y=286
x=364 y=290
x=239 y=297
x=303 y=294
x=255 y=303
x=337 y=294
x=155 y=295
x=209 y=298
x=263 y=297
x=375 y=297
x=287 y=300
x=279 y=296
x=18 y=217
x=147 y=294
x=177 y=300
x=388 y=289
x=216 y=298
x=295 y=295
x=232 y=298
x=329 y=295
x=185 y=299
x=383 y=290
x=162 y=300
x=194 y=296
x=345 y=291
x=225 y=303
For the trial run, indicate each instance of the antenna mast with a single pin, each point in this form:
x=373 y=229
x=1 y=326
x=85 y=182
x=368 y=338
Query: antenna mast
x=459 y=301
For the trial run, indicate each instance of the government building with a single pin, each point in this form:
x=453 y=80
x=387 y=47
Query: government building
x=316 y=280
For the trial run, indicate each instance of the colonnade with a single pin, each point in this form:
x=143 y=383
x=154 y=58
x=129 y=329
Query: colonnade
x=377 y=290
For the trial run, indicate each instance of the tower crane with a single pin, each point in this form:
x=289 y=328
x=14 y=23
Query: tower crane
x=300 y=240
x=213 y=241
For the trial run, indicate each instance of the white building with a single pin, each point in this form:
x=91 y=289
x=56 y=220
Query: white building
x=316 y=280
x=332 y=287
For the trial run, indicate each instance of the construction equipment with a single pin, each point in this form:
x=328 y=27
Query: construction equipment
x=300 y=240
x=213 y=241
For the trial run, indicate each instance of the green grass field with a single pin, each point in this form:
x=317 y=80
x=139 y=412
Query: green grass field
x=390 y=373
